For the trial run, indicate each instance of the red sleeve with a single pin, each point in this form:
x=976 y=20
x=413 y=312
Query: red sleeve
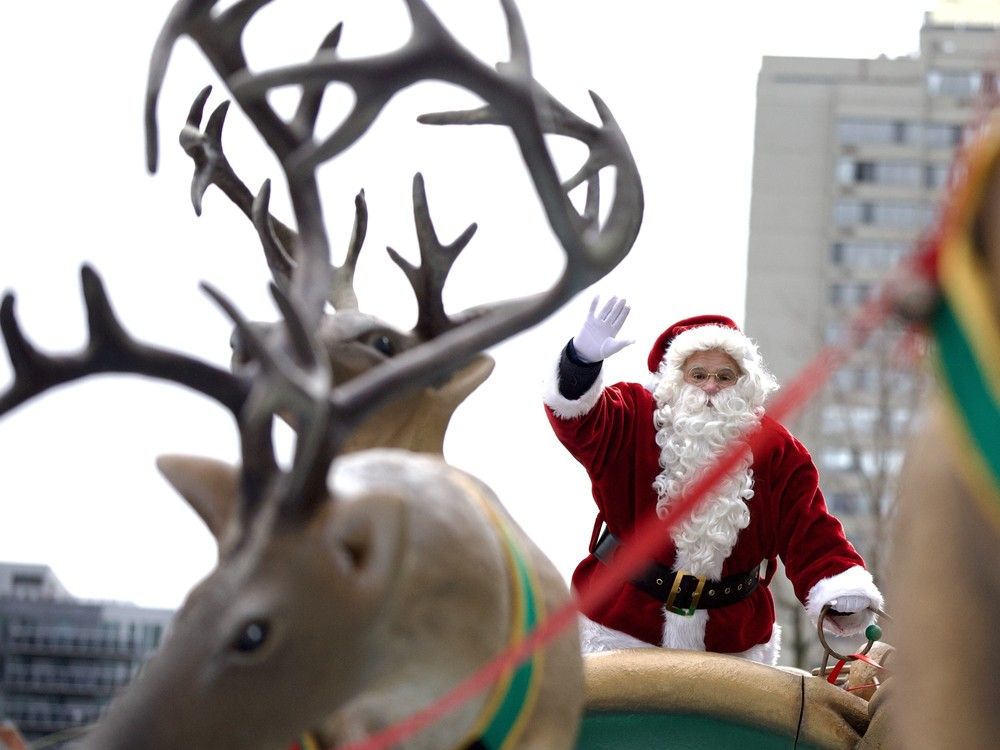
x=811 y=541
x=598 y=437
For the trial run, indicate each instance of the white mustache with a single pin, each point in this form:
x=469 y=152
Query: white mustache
x=692 y=401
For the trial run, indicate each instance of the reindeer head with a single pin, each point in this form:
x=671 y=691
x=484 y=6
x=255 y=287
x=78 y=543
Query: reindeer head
x=296 y=603
x=350 y=590
x=354 y=341
x=323 y=608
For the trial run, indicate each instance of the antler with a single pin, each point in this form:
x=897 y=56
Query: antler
x=513 y=98
x=298 y=384
x=109 y=349
x=279 y=242
x=220 y=38
x=436 y=261
x=292 y=376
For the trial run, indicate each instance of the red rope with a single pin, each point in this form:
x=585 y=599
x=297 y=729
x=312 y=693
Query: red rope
x=633 y=557
x=835 y=672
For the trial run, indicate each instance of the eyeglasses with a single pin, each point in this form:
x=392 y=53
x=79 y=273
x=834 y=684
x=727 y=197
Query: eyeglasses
x=700 y=376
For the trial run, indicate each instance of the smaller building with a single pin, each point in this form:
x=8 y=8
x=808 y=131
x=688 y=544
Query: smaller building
x=62 y=659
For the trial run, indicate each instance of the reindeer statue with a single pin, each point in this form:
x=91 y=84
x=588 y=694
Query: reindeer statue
x=350 y=590
x=946 y=552
x=354 y=341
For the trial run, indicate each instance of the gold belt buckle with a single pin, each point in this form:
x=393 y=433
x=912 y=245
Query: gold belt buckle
x=675 y=590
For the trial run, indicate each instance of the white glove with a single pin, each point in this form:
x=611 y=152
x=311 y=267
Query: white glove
x=854 y=616
x=848 y=605
x=596 y=340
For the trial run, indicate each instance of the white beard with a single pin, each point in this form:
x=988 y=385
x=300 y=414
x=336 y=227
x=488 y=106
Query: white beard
x=691 y=435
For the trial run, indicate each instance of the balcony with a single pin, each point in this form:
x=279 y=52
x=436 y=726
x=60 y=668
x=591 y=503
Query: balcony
x=39 y=640
x=63 y=681
x=39 y=718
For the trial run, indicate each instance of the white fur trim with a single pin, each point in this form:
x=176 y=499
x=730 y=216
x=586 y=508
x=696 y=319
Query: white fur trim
x=855 y=581
x=689 y=633
x=565 y=408
x=702 y=338
x=766 y=653
x=735 y=343
x=595 y=637
x=685 y=632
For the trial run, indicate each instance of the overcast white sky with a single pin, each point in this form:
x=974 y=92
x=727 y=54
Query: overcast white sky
x=78 y=486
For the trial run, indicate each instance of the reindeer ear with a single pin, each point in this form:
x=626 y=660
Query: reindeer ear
x=367 y=541
x=210 y=487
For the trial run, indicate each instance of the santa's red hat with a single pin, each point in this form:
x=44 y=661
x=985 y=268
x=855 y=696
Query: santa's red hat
x=665 y=339
x=704 y=332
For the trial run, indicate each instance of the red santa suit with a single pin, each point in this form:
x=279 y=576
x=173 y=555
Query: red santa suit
x=771 y=507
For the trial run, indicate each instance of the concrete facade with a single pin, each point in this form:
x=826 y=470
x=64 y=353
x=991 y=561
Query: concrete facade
x=850 y=161
x=62 y=659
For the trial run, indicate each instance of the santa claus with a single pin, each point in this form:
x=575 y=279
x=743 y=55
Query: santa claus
x=642 y=445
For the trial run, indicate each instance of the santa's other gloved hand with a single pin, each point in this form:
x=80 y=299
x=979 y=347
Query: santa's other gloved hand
x=596 y=340
x=849 y=615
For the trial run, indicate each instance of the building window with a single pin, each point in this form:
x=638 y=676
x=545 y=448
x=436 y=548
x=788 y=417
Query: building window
x=936 y=175
x=838 y=419
x=27 y=585
x=845 y=172
x=897 y=173
x=835 y=331
x=943 y=135
x=851 y=378
x=903 y=215
x=886 y=214
x=865 y=254
x=850 y=292
x=837 y=459
x=910 y=133
x=900 y=420
x=855 y=132
x=865 y=171
x=851 y=213
x=902 y=173
x=962 y=83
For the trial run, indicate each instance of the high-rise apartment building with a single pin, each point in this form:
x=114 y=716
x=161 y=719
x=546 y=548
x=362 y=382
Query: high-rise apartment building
x=62 y=659
x=850 y=160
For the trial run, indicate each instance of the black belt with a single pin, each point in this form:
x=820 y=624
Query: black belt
x=681 y=592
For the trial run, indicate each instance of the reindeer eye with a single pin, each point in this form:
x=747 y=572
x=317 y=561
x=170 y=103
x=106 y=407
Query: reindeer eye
x=384 y=344
x=240 y=355
x=251 y=638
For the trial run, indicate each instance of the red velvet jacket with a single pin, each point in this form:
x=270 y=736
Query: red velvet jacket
x=615 y=442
